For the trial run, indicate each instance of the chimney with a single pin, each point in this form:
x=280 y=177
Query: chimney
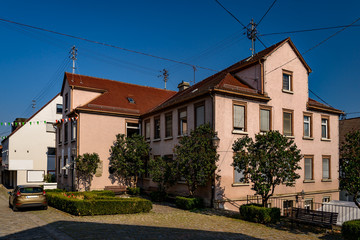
x=183 y=85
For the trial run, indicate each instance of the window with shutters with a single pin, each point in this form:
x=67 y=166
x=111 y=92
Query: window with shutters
x=199 y=114
x=309 y=166
x=265 y=118
x=326 y=167
x=287 y=81
x=157 y=127
x=288 y=122
x=147 y=129
x=182 y=121
x=168 y=125
x=239 y=117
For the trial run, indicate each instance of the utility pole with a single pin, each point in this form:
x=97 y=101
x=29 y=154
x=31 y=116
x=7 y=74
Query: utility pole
x=165 y=75
x=194 y=68
x=33 y=104
x=73 y=53
x=251 y=34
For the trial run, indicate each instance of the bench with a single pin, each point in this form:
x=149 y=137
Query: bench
x=325 y=219
x=116 y=189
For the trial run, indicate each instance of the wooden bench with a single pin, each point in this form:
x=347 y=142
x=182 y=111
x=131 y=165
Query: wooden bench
x=325 y=219
x=116 y=189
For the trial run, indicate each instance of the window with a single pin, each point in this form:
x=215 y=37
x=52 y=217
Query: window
x=131 y=100
x=239 y=117
x=66 y=133
x=50 y=127
x=326 y=167
x=238 y=176
x=132 y=128
x=168 y=125
x=309 y=168
x=199 y=114
x=59 y=108
x=66 y=101
x=157 y=128
x=265 y=119
x=288 y=123
x=307 y=125
x=59 y=165
x=66 y=162
x=287 y=81
x=326 y=199
x=73 y=130
x=51 y=151
x=325 y=127
x=147 y=129
x=308 y=203
x=59 y=135
x=182 y=121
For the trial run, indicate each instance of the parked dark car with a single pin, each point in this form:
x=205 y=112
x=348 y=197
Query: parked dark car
x=25 y=196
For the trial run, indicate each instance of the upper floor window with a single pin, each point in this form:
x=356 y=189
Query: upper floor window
x=309 y=163
x=73 y=130
x=66 y=101
x=199 y=114
x=239 y=117
x=326 y=167
x=59 y=108
x=132 y=128
x=59 y=135
x=66 y=132
x=307 y=125
x=325 y=127
x=182 y=121
x=157 y=128
x=168 y=125
x=288 y=126
x=147 y=129
x=287 y=81
x=265 y=119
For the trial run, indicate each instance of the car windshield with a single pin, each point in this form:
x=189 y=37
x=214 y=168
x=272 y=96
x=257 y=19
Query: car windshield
x=31 y=190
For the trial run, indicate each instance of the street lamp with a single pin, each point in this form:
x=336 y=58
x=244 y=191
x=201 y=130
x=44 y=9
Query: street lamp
x=215 y=141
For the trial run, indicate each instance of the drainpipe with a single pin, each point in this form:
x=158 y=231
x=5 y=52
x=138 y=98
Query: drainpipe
x=262 y=77
x=77 y=151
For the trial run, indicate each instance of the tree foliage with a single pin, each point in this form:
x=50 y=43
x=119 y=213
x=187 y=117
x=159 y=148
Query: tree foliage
x=196 y=157
x=163 y=171
x=86 y=166
x=128 y=156
x=269 y=161
x=350 y=165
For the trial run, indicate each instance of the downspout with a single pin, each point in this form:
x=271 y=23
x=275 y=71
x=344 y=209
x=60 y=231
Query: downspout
x=262 y=77
x=77 y=150
x=213 y=127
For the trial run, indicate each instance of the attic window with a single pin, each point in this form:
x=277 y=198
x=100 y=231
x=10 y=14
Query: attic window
x=131 y=100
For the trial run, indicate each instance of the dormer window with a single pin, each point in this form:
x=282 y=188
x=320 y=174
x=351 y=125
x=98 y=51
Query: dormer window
x=131 y=100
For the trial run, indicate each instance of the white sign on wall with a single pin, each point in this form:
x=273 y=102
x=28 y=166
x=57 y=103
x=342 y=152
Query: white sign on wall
x=20 y=164
x=35 y=176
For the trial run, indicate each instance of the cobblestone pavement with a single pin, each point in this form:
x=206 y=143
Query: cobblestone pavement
x=163 y=222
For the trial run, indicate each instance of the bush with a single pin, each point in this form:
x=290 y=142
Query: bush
x=158 y=196
x=80 y=204
x=133 y=191
x=54 y=190
x=351 y=230
x=258 y=214
x=188 y=203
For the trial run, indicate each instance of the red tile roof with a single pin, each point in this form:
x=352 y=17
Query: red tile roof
x=115 y=94
x=315 y=105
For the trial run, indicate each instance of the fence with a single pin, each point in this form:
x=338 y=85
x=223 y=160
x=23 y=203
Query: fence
x=346 y=210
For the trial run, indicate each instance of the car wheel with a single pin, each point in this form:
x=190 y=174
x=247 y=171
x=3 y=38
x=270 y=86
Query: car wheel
x=14 y=208
x=10 y=205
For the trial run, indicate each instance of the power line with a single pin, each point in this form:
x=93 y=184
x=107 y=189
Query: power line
x=231 y=14
x=307 y=30
x=105 y=44
x=266 y=12
x=320 y=98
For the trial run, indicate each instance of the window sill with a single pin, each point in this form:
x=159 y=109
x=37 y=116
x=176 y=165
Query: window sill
x=240 y=184
x=168 y=138
x=326 y=180
x=239 y=132
x=287 y=91
x=326 y=139
x=308 y=138
x=291 y=137
x=157 y=140
x=309 y=181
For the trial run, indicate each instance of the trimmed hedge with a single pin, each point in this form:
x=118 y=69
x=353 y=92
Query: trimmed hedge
x=259 y=214
x=350 y=230
x=188 y=203
x=94 y=204
x=133 y=191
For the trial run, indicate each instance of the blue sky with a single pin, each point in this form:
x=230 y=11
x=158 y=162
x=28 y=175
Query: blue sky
x=199 y=32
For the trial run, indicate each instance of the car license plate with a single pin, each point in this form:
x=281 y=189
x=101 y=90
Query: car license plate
x=31 y=196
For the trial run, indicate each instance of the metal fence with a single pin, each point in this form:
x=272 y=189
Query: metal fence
x=346 y=210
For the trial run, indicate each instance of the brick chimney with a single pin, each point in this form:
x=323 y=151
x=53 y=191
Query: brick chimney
x=183 y=85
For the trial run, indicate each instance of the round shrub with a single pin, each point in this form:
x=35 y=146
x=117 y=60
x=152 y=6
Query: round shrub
x=259 y=214
x=351 y=230
x=188 y=203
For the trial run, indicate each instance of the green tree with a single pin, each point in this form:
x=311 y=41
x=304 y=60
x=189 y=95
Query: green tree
x=196 y=157
x=128 y=156
x=269 y=161
x=350 y=165
x=163 y=171
x=86 y=166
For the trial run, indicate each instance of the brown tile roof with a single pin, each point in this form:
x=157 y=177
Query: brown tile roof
x=115 y=94
x=315 y=105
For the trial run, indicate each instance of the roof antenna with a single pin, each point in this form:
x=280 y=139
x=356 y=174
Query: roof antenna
x=251 y=34
x=165 y=75
x=73 y=52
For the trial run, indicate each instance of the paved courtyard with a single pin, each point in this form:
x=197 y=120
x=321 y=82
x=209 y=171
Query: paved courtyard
x=163 y=222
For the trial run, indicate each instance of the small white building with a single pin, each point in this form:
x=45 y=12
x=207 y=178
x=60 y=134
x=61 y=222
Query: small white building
x=29 y=151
